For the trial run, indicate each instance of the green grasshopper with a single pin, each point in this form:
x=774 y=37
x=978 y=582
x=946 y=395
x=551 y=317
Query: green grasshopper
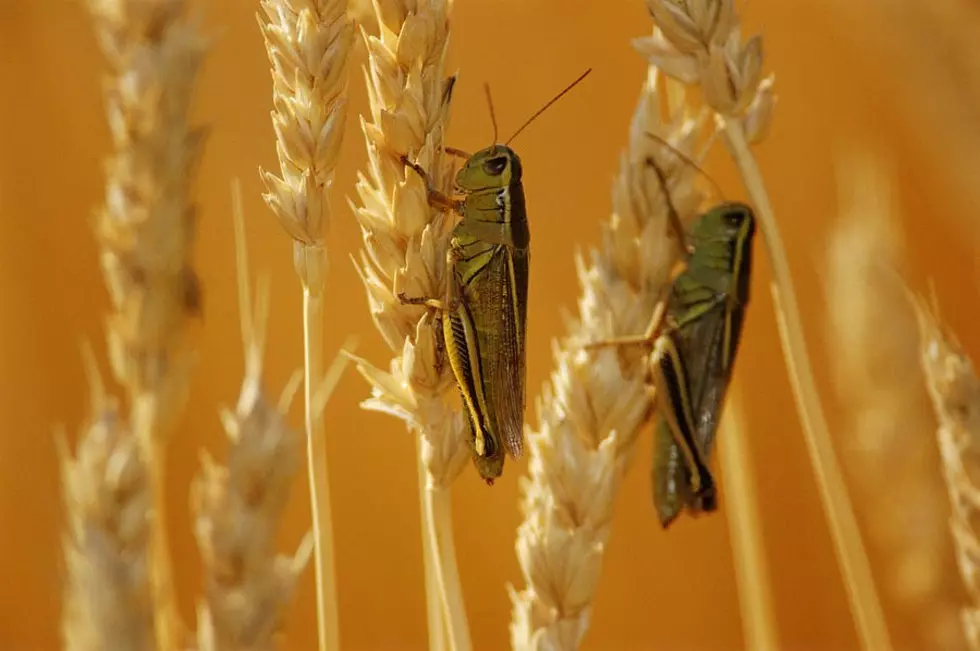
x=695 y=335
x=484 y=312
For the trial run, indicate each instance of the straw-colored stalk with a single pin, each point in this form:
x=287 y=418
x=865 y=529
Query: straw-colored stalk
x=146 y=232
x=702 y=45
x=873 y=347
x=597 y=401
x=238 y=508
x=308 y=43
x=405 y=245
x=108 y=602
x=745 y=530
x=954 y=388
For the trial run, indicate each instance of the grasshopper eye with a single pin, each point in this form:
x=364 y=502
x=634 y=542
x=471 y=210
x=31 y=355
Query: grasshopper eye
x=495 y=166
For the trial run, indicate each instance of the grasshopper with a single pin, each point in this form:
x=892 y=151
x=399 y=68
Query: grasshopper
x=694 y=335
x=484 y=311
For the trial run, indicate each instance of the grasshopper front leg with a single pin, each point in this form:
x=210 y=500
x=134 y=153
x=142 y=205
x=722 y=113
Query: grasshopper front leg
x=435 y=198
x=444 y=307
x=649 y=337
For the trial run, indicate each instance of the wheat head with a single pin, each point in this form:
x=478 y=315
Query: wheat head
x=873 y=348
x=145 y=230
x=954 y=389
x=108 y=601
x=590 y=413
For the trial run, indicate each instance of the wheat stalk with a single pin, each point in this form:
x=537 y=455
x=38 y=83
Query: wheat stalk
x=108 y=596
x=308 y=43
x=874 y=350
x=745 y=530
x=702 y=45
x=405 y=245
x=954 y=388
x=238 y=508
x=146 y=230
x=591 y=412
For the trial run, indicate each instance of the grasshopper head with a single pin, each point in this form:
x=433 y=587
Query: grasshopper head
x=496 y=166
x=728 y=221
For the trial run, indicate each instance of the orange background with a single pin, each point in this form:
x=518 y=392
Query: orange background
x=660 y=590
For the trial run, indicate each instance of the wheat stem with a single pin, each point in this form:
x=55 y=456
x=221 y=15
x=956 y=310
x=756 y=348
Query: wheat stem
x=308 y=42
x=328 y=622
x=433 y=594
x=848 y=546
x=440 y=523
x=745 y=528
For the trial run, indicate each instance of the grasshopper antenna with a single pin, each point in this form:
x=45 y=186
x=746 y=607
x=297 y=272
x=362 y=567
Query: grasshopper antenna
x=543 y=108
x=672 y=217
x=687 y=159
x=493 y=117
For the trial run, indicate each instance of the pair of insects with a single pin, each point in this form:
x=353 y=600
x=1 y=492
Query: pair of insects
x=695 y=331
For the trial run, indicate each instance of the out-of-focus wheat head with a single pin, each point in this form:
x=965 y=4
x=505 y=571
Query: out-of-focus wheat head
x=146 y=226
x=873 y=346
x=108 y=600
x=954 y=388
x=405 y=240
x=238 y=508
x=146 y=231
x=699 y=43
x=590 y=414
x=308 y=43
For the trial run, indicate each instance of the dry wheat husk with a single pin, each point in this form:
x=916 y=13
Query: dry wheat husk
x=954 y=388
x=405 y=245
x=145 y=231
x=108 y=597
x=596 y=402
x=238 y=508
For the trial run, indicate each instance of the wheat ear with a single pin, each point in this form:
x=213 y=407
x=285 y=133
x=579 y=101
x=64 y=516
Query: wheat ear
x=590 y=413
x=108 y=602
x=702 y=45
x=405 y=245
x=873 y=347
x=954 y=388
x=146 y=231
x=308 y=43
x=238 y=508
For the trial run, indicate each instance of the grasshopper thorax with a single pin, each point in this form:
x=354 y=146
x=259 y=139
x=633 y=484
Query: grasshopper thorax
x=497 y=166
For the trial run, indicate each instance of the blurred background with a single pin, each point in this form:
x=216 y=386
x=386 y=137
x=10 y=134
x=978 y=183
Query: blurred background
x=847 y=77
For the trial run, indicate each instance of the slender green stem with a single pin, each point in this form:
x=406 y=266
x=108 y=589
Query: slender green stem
x=848 y=546
x=328 y=620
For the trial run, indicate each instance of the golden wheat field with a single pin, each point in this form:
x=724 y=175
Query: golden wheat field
x=210 y=225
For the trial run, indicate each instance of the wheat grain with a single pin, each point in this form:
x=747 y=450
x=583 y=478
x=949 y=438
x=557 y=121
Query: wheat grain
x=146 y=231
x=954 y=388
x=108 y=597
x=591 y=412
x=308 y=43
x=874 y=349
x=405 y=244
